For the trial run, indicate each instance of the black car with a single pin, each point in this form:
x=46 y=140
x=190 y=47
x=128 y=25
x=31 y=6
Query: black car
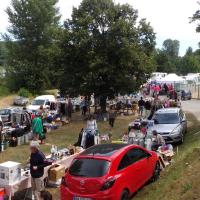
x=186 y=95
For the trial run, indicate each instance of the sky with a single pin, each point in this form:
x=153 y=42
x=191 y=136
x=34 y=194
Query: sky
x=169 y=18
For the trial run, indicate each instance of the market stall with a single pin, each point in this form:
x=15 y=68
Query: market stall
x=24 y=178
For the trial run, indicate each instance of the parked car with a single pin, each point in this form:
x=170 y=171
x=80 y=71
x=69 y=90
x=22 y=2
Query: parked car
x=186 y=95
x=171 y=123
x=6 y=113
x=109 y=171
x=47 y=101
x=20 y=101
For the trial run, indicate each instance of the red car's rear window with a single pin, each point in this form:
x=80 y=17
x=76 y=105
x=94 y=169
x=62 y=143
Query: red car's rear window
x=86 y=167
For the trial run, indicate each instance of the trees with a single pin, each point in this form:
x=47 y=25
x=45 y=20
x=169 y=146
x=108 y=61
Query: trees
x=196 y=18
x=31 y=43
x=164 y=63
x=171 y=48
x=2 y=53
x=106 y=50
x=167 y=58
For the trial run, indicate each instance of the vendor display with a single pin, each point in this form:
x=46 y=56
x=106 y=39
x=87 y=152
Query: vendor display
x=13 y=178
x=10 y=172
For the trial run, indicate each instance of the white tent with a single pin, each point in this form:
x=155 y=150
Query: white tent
x=171 y=78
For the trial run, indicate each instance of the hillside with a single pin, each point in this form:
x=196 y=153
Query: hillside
x=181 y=180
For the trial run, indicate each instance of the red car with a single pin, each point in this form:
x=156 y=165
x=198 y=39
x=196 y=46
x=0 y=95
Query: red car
x=109 y=172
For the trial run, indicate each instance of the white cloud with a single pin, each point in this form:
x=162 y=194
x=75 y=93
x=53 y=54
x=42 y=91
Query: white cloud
x=170 y=18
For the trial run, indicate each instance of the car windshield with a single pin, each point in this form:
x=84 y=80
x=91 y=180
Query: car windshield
x=89 y=167
x=38 y=102
x=166 y=118
x=4 y=112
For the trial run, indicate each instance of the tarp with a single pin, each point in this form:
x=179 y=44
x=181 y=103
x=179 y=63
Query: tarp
x=171 y=78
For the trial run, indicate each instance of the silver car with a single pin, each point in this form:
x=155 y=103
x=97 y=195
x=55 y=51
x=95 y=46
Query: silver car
x=171 y=123
x=20 y=101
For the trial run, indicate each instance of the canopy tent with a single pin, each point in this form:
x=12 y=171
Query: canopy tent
x=171 y=78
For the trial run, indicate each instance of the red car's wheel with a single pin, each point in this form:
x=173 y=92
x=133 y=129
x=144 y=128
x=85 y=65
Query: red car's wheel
x=156 y=173
x=125 y=195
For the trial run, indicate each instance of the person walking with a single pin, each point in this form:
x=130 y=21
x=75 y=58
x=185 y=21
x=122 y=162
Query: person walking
x=69 y=109
x=112 y=116
x=84 y=106
x=37 y=129
x=141 y=105
x=27 y=119
x=37 y=164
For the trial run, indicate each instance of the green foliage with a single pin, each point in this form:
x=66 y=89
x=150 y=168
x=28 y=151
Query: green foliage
x=2 y=53
x=171 y=48
x=106 y=49
x=188 y=64
x=164 y=62
x=196 y=18
x=30 y=43
x=23 y=92
x=167 y=59
x=4 y=91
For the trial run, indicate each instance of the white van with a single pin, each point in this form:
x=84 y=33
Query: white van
x=47 y=101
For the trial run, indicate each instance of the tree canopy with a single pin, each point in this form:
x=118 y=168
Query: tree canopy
x=31 y=43
x=106 y=49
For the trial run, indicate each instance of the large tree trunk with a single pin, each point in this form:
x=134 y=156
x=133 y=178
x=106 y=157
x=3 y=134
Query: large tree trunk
x=103 y=103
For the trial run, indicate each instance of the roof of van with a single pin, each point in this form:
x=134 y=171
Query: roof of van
x=46 y=97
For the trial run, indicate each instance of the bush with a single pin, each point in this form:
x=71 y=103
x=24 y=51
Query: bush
x=4 y=91
x=23 y=92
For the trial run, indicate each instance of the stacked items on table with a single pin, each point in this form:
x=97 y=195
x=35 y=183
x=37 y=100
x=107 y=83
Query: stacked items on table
x=140 y=133
x=166 y=154
x=14 y=179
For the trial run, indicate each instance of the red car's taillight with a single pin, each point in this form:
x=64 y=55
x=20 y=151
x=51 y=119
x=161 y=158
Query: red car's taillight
x=108 y=184
x=63 y=182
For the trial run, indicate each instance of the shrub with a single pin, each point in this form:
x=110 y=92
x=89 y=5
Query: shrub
x=4 y=91
x=23 y=92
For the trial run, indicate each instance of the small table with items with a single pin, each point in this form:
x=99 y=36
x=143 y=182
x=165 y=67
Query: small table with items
x=24 y=181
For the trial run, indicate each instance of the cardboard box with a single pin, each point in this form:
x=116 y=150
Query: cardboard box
x=10 y=172
x=56 y=173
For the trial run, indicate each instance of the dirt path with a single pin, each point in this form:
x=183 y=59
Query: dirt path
x=6 y=101
x=193 y=107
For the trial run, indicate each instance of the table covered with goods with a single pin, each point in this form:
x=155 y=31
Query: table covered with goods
x=140 y=132
x=14 y=178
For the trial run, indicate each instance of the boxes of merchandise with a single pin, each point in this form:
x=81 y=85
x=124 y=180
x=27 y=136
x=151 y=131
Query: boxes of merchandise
x=10 y=172
x=56 y=173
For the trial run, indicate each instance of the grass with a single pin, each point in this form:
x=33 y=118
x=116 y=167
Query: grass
x=179 y=181
x=6 y=101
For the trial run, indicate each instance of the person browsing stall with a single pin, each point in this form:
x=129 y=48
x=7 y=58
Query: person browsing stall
x=141 y=105
x=158 y=140
x=91 y=123
x=112 y=116
x=37 y=164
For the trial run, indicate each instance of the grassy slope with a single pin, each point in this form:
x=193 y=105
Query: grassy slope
x=181 y=180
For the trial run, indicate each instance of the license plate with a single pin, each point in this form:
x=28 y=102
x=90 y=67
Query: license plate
x=81 y=198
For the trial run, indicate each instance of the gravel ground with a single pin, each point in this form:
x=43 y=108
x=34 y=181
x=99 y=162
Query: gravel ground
x=192 y=106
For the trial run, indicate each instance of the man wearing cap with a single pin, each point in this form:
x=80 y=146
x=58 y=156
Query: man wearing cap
x=37 y=164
